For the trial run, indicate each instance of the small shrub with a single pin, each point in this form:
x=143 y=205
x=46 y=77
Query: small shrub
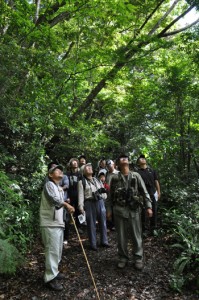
x=10 y=257
x=15 y=213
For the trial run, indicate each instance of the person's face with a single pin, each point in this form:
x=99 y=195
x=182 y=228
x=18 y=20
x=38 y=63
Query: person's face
x=110 y=167
x=56 y=175
x=88 y=170
x=142 y=161
x=103 y=164
x=102 y=178
x=82 y=161
x=123 y=161
x=74 y=164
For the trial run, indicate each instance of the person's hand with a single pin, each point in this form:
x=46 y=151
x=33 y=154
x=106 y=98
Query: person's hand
x=82 y=211
x=149 y=212
x=70 y=208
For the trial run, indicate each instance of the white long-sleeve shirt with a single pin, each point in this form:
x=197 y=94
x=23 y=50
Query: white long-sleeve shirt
x=91 y=186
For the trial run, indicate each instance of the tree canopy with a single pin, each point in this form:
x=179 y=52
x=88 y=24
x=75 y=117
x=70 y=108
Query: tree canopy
x=71 y=69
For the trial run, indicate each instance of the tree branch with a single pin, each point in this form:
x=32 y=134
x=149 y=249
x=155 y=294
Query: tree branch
x=64 y=16
x=37 y=10
x=146 y=21
x=163 y=17
x=181 y=29
x=128 y=54
x=162 y=33
x=110 y=76
x=150 y=16
x=68 y=51
x=50 y=11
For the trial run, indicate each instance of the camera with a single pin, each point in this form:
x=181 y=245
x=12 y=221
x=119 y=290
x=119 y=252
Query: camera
x=96 y=195
x=101 y=190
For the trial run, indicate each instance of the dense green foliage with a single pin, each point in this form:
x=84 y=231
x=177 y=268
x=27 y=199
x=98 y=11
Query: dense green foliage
x=181 y=221
x=98 y=77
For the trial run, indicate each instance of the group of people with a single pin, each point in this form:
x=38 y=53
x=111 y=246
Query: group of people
x=112 y=195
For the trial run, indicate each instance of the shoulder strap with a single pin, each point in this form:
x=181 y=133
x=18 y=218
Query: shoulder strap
x=84 y=182
x=96 y=180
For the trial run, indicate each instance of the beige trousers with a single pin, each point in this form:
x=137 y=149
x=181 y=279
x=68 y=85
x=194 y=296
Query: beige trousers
x=52 y=238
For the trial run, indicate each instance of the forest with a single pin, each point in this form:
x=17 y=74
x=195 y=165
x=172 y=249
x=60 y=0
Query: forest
x=100 y=78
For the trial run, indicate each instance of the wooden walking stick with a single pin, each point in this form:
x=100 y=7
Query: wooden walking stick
x=85 y=257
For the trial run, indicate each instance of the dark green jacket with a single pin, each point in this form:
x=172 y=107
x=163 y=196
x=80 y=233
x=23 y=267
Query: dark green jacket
x=124 y=202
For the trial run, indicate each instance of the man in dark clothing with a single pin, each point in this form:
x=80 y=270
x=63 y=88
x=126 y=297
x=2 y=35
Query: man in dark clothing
x=151 y=181
x=74 y=176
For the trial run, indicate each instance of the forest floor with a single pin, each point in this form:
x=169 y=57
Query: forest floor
x=152 y=283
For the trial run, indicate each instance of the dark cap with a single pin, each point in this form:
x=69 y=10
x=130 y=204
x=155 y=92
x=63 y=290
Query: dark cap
x=51 y=170
x=141 y=156
x=122 y=155
x=82 y=156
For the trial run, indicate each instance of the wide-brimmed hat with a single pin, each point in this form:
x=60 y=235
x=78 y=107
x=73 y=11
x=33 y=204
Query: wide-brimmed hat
x=51 y=170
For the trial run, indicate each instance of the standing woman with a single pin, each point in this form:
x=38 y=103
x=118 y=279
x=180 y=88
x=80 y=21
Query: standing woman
x=91 y=196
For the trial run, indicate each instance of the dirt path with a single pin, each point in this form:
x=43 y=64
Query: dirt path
x=150 y=284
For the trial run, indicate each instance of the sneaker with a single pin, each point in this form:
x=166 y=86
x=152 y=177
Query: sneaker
x=121 y=265
x=65 y=242
x=139 y=264
x=54 y=285
x=60 y=276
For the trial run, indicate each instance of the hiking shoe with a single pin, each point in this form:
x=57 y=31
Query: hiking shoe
x=60 y=276
x=54 y=285
x=105 y=245
x=121 y=265
x=93 y=248
x=139 y=264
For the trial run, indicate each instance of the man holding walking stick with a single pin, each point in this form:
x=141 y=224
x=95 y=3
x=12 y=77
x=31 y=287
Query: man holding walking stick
x=52 y=226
